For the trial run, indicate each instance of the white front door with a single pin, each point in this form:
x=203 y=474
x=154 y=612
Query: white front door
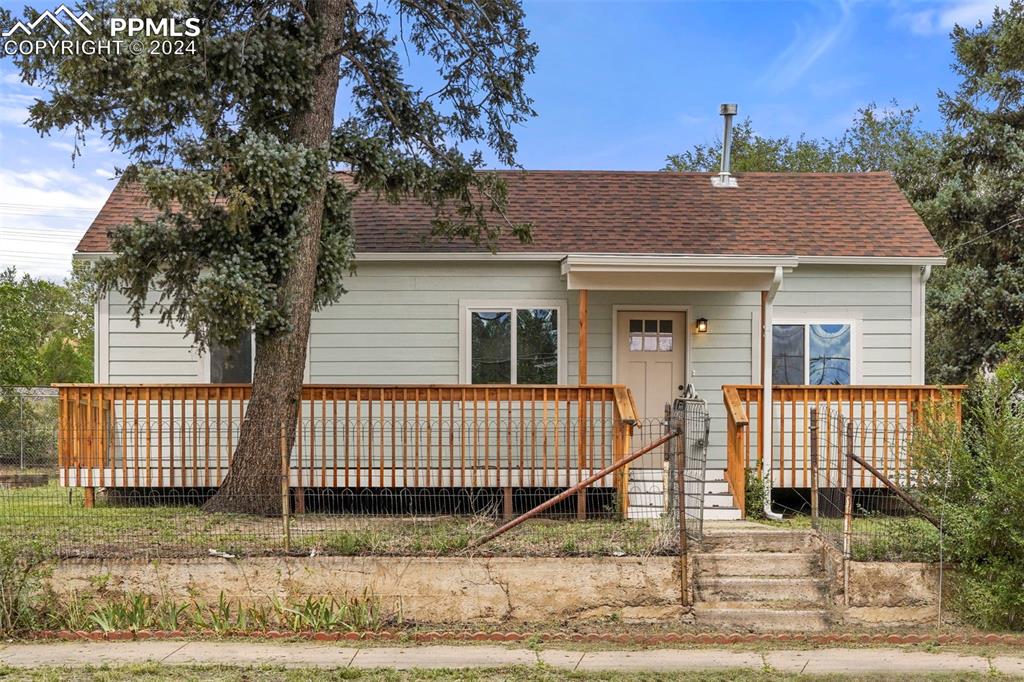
x=650 y=360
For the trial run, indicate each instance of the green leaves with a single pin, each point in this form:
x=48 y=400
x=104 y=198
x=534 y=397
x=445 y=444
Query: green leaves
x=216 y=141
x=972 y=478
x=45 y=330
x=878 y=139
x=975 y=208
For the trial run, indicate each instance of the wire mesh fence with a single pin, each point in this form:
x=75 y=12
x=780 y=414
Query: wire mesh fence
x=145 y=494
x=28 y=429
x=852 y=506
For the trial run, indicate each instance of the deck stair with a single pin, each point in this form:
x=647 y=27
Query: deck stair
x=751 y=577
x=647 y=496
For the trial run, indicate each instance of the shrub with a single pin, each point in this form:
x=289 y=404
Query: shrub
x=973 y=479
x=754 y=497
x=22 y=567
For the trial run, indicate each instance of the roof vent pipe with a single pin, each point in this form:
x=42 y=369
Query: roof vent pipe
x=724 y=177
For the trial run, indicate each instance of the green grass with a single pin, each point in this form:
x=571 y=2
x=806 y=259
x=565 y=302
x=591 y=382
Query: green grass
x=56 y=517
x=153 y=672
x=878 y=538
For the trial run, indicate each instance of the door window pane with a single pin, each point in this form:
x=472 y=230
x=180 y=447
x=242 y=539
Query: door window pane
x=537 y=346
x=787 y=354
x=491 y=350
x=232 y=364
x=830 y=354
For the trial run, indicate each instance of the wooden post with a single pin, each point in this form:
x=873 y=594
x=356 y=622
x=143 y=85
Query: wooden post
x=584 y=313
x=848 y=513
x=626 y=436
x=300 y=500
x=90 y=497
x=814 y=467
x=285 y=484
x=508 y=509
x=582 y=410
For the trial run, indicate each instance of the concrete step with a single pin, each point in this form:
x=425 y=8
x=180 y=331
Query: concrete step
x=753 y=564
x=791 y=591
x=775 y=541
x=762 y=620
x=721 y=514
x=719 y=487
x=719 y=500
x=636 y=474
x=646 y=487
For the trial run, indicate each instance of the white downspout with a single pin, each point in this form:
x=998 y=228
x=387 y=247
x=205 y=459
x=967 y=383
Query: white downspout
x=766 y=397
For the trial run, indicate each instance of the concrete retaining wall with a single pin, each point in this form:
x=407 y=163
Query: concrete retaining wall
x=887 y=593
x=895 y=593
x=434 y=590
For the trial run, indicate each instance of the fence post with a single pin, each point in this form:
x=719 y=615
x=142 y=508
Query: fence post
x=814 y=467
x=848 y=513
x=21 y=431
x=684 y=577
x=285 y=481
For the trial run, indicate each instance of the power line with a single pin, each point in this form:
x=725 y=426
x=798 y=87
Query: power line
x=1014 y=221
x=5 y=204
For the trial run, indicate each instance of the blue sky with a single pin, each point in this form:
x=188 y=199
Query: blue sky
x=619 y=85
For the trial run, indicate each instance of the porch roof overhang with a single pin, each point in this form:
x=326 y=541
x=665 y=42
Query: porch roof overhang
x=674 y=273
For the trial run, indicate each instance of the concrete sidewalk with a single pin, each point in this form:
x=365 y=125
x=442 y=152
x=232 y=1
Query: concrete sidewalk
x=820 y=661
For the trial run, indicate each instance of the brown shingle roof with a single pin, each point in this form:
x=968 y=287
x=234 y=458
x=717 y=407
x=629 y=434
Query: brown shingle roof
x=802 y=214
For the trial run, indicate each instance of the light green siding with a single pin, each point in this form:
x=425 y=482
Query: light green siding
x=400 y=322
x=148 y=353
x=877 y=300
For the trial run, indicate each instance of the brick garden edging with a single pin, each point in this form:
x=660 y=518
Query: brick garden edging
x=712 y=638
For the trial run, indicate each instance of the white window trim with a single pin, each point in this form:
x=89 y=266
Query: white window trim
x=466 y=307
x=206 y=371
x=856 y=371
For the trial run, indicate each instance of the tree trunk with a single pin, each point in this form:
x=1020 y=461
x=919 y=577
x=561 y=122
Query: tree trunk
x=253 y=482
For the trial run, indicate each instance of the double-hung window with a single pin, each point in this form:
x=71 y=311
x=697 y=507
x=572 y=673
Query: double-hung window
x=513 y=344
x=232 y=364
x=810 y=353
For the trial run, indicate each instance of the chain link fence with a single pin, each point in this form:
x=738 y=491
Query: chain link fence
x=28 y=429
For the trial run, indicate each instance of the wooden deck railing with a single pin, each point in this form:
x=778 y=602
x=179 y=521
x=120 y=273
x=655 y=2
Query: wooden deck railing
x=349 y=436
x=883 y=416
x=736 y=445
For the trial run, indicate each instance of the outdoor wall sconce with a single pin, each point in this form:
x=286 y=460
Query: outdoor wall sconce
x=702 y=325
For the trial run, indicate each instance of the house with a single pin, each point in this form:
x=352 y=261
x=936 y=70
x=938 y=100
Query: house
x=779 y=289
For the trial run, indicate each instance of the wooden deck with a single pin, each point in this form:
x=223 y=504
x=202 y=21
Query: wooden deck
x=349 y=436
x=883 y=419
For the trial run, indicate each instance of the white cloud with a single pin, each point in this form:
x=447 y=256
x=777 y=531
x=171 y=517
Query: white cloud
x=43 y=214
x=811 y=41
x=14 y=107
x=62 y=146
x=940 y=18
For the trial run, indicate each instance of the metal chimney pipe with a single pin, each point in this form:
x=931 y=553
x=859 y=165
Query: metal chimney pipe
x=725 y=178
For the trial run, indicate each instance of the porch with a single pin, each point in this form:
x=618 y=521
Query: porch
x=353 y=437
x=457 y=437
x=883 y=418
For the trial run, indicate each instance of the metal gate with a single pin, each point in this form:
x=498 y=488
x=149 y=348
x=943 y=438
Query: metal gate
x=686 y=456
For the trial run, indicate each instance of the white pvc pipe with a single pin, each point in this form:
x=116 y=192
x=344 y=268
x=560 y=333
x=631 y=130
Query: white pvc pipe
x=766 y=397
